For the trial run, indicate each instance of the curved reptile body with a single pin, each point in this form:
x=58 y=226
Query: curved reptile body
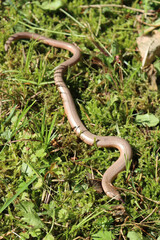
x=72 y=115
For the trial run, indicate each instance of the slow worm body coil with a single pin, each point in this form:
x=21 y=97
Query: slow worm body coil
x=72 y=115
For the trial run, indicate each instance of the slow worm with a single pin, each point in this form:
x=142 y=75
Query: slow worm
x=72 y=115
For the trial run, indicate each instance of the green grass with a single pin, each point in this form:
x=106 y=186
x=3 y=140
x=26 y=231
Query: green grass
x=44 y=189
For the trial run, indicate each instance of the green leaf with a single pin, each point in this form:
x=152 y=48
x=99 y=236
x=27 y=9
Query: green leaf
x=48 y=5
x=50 y=135
x=18 y=124
x=48 y=237
x=157 y=66
x=102 y=235
x=35 y=233
x=147 y=119
x=27 y=169
x=6 y=134
x=30 y=216
x=80 y=188
x=51 y=210
x=33 y=219
x=38 y=184
x=41 y=153
x=11 y=114
x=134 y=236
x=115 y=48
x=26 y=206
x=63 y=215
x=24 y=235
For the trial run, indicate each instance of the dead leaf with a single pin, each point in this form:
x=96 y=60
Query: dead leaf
x=95 y=183
x=149 y=47
x=118 y=210
x=152 y=76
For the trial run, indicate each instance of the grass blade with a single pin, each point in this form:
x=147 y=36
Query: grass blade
x=22 y=189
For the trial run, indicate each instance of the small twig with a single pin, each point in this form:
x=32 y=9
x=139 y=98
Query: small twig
x=149 y=215
x=115 y=5
x=17 y=235
x=58 y=180
x=140 y=226
x=156 y=171
x=99 y=21
x=101 y=47
x=81 y=238
x=7 y=234
x=121 y=231
x=148 y=24
x=71 y=17
x=0 y=108
x=84 y=165
x=144 y=231
x=25 y=140
x=139 y=195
